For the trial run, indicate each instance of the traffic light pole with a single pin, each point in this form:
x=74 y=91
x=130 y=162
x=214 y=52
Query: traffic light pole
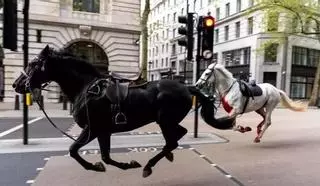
x=25 y=64
x=198 y=59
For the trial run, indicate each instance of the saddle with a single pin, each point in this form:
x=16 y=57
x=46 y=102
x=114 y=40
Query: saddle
x=250 y=89
x=118 y=92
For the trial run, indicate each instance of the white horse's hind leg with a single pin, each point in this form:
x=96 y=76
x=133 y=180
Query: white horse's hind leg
x=262 y=113
x=266 y=123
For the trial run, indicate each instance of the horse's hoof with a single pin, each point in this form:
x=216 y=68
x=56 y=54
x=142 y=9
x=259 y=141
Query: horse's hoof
x=99 y=167
x=170 y=156
x=134 y=164
x=247 y=129
x=147 y=171
x=257 y=140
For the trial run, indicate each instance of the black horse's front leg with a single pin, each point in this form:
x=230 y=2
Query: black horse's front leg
x=104 y=142
x=85 y=137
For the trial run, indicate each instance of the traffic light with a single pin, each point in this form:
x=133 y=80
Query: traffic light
x=207 y=37
x=187 y=40
x=10 y=32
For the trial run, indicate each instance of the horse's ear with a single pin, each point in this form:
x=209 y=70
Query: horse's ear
x=45 y=51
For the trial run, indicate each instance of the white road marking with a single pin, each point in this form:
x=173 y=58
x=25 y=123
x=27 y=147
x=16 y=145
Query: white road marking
x=46 y=159
x=30 y=182
x=228 y=176
x=39 y=169
x=18 y=127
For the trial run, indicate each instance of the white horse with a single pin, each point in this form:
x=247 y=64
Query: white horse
x=234 y=102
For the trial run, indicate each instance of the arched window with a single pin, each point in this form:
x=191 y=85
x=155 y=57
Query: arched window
x=92 y=53
x=86 y=5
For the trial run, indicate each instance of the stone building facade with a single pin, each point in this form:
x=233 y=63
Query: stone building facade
x=103 y=31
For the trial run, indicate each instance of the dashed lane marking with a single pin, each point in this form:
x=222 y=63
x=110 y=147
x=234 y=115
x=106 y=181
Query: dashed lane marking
x=225 y=173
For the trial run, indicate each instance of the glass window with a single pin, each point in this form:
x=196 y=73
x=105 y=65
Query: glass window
x=238 y=5
x=250 y=25
x=226 y=33
x=273 y=21
x=270 y=53
x=301 y=87
x=86 y=5
x=305 y=57
x=237 y=57
x=237 y=29
x=227 y=9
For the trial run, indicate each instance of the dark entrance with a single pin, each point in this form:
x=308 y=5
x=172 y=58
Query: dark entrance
x=92 y=53
x=270 y=77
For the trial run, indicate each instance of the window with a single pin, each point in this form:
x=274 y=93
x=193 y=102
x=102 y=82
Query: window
x=273 y=21
x=218 y=13
x=86 y=5
x=305 y=56
x=174 y=17
x=227 y=9
x=167 y=62
x=301 y=87
x=270 y=53
x=237 y=29
x=216 y=36
x=250 y=3
x=294 y=24
x=226 y=33
x=237 y=57
x=39 y=36
x=238 y=5
x=173 y=51
x=270 y=77
x=250 y=25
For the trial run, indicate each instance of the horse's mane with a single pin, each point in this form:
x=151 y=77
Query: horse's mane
x=77 y=62
x=223 y=70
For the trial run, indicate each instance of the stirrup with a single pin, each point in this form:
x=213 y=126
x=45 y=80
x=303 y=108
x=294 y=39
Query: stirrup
x=122 y=120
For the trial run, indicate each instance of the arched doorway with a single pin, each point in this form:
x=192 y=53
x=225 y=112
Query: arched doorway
x=92 y=53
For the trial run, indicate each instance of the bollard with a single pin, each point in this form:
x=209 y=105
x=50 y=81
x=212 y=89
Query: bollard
x=28 y=99
x=17 y=103
x=65 y=103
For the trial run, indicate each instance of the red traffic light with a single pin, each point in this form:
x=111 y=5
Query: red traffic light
x=208 y=21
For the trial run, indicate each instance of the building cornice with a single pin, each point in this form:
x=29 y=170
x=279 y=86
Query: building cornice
x=71 y=22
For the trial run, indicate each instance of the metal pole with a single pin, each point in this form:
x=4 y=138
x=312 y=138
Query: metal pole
x=185 y=61
x=198 y=58
x=25 y=64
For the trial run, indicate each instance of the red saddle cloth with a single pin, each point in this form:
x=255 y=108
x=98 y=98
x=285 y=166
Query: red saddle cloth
x=226 y=105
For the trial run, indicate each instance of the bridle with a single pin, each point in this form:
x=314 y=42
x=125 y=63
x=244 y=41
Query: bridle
x=212 y=73
x=42 y=87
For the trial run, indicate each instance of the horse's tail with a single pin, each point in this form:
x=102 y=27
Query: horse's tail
x=292 y=105
x=208 y=109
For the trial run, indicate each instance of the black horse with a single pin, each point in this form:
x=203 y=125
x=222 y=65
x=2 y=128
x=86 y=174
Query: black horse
x=165 y=102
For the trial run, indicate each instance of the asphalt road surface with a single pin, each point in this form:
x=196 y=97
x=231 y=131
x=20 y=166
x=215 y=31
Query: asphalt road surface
x=17 y=168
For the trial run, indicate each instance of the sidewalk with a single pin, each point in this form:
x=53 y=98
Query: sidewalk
x=52 y=109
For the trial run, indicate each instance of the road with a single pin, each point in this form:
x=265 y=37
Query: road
x=17 y=168
x=287 y=155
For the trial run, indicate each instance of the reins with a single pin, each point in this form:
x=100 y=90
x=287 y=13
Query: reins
x=48 y=118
